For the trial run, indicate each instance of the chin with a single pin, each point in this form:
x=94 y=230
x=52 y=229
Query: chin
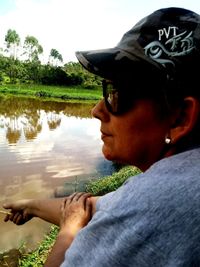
x=108 y=157
x=111 y=157
x=108 y=154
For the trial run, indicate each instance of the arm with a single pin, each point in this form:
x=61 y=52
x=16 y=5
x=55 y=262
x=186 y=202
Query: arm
x=76 y=213
x=46 y=209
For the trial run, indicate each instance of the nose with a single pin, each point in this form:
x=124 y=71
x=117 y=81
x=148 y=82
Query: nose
x=100 y=111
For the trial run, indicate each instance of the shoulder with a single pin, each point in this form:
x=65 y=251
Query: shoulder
x=168 y=182
x=143 y=221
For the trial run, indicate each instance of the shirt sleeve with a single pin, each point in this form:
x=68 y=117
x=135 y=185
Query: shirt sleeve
x=107 y=241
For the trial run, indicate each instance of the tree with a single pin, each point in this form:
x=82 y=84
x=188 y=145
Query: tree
x=33 y=71
x=78 y=75
x=53 y=75
x=32 y=48
x=55 y=57
x=13 y=69
x=12 y=40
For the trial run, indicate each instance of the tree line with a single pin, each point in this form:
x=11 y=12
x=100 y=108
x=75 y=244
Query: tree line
x=21 y=64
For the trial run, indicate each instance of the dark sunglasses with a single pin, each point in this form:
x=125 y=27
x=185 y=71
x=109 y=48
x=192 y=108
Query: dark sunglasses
x=117 y=100
x=120 y=97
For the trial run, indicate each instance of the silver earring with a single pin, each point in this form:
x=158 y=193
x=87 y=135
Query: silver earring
x=168 y=140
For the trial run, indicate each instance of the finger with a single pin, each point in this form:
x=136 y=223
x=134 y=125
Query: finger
x=80 y=195
x=76 y=196
x=70 y=197
x=67 y=201
x=73 y=197
x=88 y=207
x=19 y=219
x=17 y=214
x=62 y=205
x=83 y=198
x=7 y=206
x=11 y=216
x=25 y=215
x=7 y=218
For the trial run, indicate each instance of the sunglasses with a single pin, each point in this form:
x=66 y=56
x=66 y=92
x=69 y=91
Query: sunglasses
x=117 y=100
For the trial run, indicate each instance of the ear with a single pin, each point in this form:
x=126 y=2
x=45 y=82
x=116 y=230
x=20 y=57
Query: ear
x=185 y=119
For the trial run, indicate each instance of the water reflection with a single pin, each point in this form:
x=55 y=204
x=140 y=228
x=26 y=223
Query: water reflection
x=43 y=146
x=23 y=117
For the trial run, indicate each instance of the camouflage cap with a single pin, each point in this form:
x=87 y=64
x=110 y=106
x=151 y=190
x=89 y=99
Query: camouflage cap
x=167 y=41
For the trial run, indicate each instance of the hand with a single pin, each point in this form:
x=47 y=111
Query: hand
x=75 y=213
x=20 y=211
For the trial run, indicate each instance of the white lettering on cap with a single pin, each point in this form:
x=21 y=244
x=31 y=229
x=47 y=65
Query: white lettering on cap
x=170 y=31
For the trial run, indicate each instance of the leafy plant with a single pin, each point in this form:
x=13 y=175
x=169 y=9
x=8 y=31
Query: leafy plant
x=110 y=183
x=38 y=257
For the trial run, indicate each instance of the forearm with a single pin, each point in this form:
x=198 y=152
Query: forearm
x=49 y=209
x=57 y=254
x=46 y=209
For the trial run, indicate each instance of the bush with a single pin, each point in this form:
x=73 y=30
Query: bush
x=38 y=256
x=111 y=183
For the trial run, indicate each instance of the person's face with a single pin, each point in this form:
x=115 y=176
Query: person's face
x=136 y=137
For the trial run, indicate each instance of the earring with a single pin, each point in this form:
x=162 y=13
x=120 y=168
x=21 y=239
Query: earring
x=168 y=140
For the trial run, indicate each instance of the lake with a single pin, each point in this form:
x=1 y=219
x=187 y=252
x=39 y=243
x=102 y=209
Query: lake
x=47 y=149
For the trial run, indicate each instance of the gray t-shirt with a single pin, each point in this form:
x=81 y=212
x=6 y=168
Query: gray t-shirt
x=152 y=220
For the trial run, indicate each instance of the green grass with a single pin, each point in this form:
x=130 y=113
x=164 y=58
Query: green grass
x=52 y=92
x=110 y=183
x=99 y=187
x=38 y=257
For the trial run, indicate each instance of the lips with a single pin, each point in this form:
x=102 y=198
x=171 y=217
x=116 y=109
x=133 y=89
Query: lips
x=104 y=134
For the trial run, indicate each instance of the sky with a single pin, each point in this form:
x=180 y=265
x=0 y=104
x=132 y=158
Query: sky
x=76 y=25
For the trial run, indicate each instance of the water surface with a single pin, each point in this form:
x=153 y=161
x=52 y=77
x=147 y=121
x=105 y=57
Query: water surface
x=44 y=147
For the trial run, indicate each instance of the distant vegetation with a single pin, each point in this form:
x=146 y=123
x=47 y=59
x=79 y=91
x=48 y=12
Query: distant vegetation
x=21 y=64
x=51 y=92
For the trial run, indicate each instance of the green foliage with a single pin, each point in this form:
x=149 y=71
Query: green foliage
x=60 y=93
x=12 y=70
x=53 y=76
x=111 y=183
x=38 y=257
x=81 y=76
x=15 y=71
x=32 y=48
x=12 y=40
x=29 y=69
x=55 y=57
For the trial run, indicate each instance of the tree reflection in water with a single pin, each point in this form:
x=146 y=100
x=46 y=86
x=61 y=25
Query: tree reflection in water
x=23 y=117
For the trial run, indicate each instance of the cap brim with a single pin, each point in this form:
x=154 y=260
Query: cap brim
x=113 y=63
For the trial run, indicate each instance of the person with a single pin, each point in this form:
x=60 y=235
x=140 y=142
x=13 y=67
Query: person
x=152 y=122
